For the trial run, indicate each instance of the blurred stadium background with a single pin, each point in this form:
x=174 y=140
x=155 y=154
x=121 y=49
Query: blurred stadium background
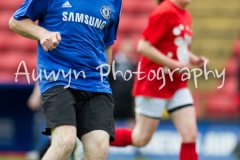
x=216 y=25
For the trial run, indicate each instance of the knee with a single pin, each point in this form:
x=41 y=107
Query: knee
x=141 y=140
x=189 y=135
x=100 y=149
x=103 y=149
x=66 y=144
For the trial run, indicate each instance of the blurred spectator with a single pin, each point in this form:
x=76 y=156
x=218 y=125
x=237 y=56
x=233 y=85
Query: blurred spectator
x=41 y=142
x=125 y=59
x=236 y=54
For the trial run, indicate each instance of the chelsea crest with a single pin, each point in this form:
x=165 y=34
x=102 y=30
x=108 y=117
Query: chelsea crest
x=106 y=12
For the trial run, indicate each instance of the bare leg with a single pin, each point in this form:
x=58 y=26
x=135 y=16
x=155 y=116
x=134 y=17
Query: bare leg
x=96 y=145
x=63 y=142
x=144 y=129
x=185 y=122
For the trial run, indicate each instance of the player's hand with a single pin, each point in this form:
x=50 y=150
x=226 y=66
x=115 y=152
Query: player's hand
x=50 y=40
x=201 y=61
x=180 y=65
x=34 y=102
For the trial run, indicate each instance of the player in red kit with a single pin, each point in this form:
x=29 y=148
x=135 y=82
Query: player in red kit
x=165 y=46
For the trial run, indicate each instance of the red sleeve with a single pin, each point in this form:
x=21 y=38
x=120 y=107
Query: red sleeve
x=157 y=27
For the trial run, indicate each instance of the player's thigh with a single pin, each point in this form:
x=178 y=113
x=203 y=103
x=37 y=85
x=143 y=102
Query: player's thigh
x=95 y=138
x=148 y=114
x=183 y=113
x=96 y=114
x=58 y=108
x=145 y=126
x=96 y=141
x=63 y=136
x=185 y=121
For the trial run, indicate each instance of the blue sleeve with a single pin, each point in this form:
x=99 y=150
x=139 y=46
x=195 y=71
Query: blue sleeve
x=33 y=9
x=112 y=31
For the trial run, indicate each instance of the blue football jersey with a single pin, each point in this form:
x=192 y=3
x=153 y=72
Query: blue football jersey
x=86 y=27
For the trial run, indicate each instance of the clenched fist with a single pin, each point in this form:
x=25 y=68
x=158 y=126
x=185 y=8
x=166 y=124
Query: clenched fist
x=50 y=40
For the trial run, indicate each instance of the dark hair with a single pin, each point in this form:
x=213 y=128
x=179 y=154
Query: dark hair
x=160 y=1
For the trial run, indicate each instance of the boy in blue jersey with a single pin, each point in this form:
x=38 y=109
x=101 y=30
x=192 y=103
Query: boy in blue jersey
x=74 y=39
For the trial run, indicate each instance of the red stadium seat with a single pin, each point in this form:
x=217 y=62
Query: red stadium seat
x=5 y=40
x=236 y=48
x=6 y=77
x=232 y=67
x=10 y=4
x=12 y=41
x=222 y=105
x=22 y=43
x=229 y=86
x=129 y=23
x=10 y=61
x=138 y=6
x=224 y=102
x=5 y=16
x=134 y=18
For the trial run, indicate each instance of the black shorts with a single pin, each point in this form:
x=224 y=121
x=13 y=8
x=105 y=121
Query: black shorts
x=87 y=111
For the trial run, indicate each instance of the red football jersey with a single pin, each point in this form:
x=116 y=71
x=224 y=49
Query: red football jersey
x=169 y=30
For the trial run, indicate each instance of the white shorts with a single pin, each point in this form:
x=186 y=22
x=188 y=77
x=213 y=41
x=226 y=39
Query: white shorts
x=154 y=107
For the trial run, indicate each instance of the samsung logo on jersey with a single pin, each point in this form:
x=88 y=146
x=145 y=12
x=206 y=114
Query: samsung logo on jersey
x=84 y=18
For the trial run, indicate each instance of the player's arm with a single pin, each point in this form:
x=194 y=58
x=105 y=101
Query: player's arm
x=27 y=28
x=198 y=61
x=158 y=25
x=148 y=50
x=109 y=54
